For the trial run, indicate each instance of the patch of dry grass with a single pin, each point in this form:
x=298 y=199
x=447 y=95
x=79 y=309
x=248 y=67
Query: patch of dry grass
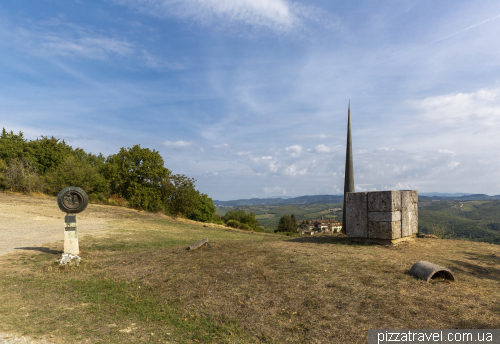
x=141 y=285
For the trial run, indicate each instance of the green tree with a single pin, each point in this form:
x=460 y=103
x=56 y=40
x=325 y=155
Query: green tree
x=137 y=174
x=179 y=195
x=286 y=224
x=294 y=221
x=75 y=172
x=242 y=217
x=205 y=209
x=96 y=161
x=3 y=168
x=47 y=153
x=11 y=146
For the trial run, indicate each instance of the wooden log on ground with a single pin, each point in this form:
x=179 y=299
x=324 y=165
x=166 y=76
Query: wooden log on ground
x=197 y=245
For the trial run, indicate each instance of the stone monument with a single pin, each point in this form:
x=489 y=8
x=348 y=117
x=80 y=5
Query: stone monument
x=71 y=200
x=349 y=171
x=385 y=217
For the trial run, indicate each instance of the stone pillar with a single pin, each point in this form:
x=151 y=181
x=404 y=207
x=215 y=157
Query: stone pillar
x=71 y=236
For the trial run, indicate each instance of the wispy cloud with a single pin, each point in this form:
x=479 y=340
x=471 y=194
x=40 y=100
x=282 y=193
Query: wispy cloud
x=278 y=15
x=60 y=38
x=177 y=144
x=159 y=64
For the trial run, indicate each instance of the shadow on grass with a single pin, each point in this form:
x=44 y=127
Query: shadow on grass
x=323 y=239
x=41 y=249
x=477 y=270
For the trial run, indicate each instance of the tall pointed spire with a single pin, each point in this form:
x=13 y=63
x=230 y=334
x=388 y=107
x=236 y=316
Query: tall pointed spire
x=349 y=171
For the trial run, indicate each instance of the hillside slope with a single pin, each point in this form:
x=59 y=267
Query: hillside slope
x=140 y=284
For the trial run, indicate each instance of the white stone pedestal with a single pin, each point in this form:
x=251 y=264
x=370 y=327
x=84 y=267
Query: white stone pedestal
x=71 y=247
x=71 y=236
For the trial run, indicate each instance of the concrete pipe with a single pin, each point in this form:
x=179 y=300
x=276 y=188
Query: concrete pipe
x=427 y=271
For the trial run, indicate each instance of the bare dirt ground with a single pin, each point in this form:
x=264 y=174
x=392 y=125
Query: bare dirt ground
x=29 y=221
x=35 y=223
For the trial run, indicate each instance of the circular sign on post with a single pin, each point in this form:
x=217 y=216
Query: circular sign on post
x=72 y=200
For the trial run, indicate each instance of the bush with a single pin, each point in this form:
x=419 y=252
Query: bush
x=242 y=217
x=21 y=175
x=204 y=211
x=217 y=219
x=233 y=224
x=75 y=172
x=244 y=226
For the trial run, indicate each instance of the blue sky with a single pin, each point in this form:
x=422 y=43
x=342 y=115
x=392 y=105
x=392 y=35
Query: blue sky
x=249 y=97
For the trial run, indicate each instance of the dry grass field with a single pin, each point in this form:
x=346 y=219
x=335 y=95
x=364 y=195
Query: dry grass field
x=138 y=283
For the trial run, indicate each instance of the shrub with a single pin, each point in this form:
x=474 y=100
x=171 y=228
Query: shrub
x=244 y=226
x=204 y=211
x=21 y=175
x=233 y=224
x=117 y=200
x=242 y=217
x=75 y=172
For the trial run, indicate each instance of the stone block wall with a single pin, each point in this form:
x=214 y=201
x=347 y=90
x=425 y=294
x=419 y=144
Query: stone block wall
x=382 y=215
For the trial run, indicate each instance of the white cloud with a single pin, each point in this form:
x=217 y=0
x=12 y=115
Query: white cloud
x=294 y=150
x=274 y=190
x=264 y=165
x=463 y=109
x=446 y=151
x=223 y=145
x=159 y=64
x=177 y=144
x=244 y=153
x=90 y=47
x=319 y=136
x=274 y=14
x=293 y=171
x=325 y=149
x=59 y=38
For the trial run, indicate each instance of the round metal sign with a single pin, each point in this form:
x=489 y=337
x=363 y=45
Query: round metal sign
x=72 y=200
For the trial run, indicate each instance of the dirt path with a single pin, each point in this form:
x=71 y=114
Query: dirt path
x=28 y=222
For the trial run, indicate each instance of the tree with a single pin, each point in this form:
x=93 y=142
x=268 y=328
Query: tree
x=242 y=217
x=11 y=146
x=137 y=174
x=179 y=196
x=294 y=221
x=47 y=153
x=286 y=224
x=75 y=172
x=304 y=225
x=205 y=209
x=21 y=175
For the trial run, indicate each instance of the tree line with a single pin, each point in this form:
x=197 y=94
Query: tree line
x=134 y=176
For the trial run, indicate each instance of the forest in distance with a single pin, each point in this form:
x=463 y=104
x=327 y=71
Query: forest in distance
x=448 y=219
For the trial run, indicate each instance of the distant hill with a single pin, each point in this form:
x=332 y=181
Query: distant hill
x=340 y=198
x=293 y=200
x=470 y=197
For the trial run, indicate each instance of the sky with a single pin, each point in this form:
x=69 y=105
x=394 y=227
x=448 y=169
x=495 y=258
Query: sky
x=250 y=97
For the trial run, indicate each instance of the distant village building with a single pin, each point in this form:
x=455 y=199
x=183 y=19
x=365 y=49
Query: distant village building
x=316 y=226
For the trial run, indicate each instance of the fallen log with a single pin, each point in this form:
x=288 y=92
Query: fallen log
x=197 y=245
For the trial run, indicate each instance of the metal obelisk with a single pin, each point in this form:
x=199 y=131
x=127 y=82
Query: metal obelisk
x=349 y=171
